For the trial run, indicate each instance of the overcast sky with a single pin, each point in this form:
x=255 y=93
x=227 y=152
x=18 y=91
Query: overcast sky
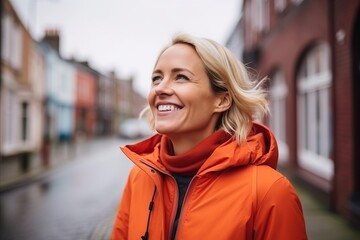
x=126 y=35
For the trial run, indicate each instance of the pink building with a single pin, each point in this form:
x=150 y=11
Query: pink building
x=85 y=103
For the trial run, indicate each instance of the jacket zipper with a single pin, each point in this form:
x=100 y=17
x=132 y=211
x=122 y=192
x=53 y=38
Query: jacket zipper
x=176 y=201
x=153 y=167
x=173 y=214
x=182 y=207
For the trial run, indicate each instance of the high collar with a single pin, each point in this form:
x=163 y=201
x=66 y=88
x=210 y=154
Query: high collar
x=189 y=163
x=260 y=148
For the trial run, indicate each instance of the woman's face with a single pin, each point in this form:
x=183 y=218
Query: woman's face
x=181 y=98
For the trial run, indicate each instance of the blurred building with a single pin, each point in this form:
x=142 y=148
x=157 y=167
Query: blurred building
x=235 y=42
x=49 y=103
x=129 y=103
x=310 y=51
x=85 y=103
x=60 y=90
x=60 y=99
x=105 y=99
x=22 y=95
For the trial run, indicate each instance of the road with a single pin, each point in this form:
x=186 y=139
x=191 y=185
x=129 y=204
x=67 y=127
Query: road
x=71 y=201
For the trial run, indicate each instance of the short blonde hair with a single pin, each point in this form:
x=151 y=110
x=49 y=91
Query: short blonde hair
x=227 y=74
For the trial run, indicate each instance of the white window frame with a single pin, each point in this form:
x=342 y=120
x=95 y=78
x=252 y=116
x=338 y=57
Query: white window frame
x=297 y=2
x=278 y=94
x=314 y=82
x=258 y=15
x=10 y=118
x=16 y=48
x=6 y=38
x=280 y=5
x=11 y=42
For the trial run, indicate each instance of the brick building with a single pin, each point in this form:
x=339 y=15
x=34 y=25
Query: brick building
x=85 y=103
x=21 y=97
x=310 y=51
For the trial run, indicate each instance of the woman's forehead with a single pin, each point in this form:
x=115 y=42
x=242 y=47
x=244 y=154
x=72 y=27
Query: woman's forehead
x=180 y=54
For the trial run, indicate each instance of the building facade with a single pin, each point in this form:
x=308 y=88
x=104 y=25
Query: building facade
x=104 y=105
x=128 y=102
x=21 y=97
x=85 y=101
x=310 y=52
x=49 y=103
x=59 y=102
x=235 y=42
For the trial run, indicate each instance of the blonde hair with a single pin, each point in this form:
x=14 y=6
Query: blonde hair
x=227 y=74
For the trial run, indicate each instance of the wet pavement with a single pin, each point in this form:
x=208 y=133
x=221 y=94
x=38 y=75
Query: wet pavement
x=321 y=223
x=70 y=202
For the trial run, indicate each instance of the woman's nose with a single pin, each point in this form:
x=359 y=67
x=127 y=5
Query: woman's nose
x=164 y=88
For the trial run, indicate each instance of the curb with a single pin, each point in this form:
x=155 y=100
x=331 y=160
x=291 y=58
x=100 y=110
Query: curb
x=103 y=230
x=23 y=180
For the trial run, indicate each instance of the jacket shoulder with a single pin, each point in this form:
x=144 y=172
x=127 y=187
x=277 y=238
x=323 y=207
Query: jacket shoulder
x=278 y=209
x=137 y=175
x=267 y=180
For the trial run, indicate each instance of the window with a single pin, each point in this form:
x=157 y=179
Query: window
x=315 y=115
x=5 y=37
x=278 y=93
x=16 y=48
x=11 y=42
x=297 y=2
x=24 y=121
x=10 y=117
x=280 y=5
x=259 y=15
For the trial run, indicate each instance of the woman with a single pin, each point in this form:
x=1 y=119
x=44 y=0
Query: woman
x=209 y=172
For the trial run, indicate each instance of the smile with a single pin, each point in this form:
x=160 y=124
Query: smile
x=167 y=108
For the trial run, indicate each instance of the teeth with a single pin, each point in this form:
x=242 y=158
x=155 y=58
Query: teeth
x=163 y=108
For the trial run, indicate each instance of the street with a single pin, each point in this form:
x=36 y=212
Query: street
x=70 y=201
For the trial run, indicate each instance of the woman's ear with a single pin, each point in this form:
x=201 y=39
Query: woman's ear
x=223 y=102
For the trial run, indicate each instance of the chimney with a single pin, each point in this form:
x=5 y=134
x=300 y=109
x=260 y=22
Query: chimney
x=52 y=37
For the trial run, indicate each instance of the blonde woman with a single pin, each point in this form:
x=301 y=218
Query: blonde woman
x=209 y=171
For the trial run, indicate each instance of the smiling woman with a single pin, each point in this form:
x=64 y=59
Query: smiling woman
x=181 y=100
x=209 y=171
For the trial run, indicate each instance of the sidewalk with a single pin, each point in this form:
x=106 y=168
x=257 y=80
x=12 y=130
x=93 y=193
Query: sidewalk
x=61 y=154
x=321 y=224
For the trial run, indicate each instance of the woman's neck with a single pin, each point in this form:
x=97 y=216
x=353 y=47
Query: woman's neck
x=182 y=144
x=190 y=161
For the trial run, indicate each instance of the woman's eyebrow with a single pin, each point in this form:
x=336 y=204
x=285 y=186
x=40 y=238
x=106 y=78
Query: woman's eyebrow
x=156 y=71
x=175 y=70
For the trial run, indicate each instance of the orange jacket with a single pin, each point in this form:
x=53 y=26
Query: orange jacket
x=236 y=194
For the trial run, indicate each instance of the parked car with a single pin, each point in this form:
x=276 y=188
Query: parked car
x=134 y=128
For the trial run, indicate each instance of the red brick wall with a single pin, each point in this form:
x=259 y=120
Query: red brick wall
x=85 y=101
x=344 y=18
x=291 y=34
x=281 y=47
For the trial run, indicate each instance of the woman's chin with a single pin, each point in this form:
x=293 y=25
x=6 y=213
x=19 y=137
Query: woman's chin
x=164 y=130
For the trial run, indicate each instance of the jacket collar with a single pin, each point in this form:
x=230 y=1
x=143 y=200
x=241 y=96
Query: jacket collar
x=260 y=148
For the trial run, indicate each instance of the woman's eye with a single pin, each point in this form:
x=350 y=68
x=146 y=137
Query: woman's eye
x=156 y=79
x=181 y=77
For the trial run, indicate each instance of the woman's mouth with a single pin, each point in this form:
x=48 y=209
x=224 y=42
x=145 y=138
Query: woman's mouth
x=168 y=108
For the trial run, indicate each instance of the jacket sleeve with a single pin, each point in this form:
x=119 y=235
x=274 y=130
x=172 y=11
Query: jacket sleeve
x=279 y=214
x=120 y=228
